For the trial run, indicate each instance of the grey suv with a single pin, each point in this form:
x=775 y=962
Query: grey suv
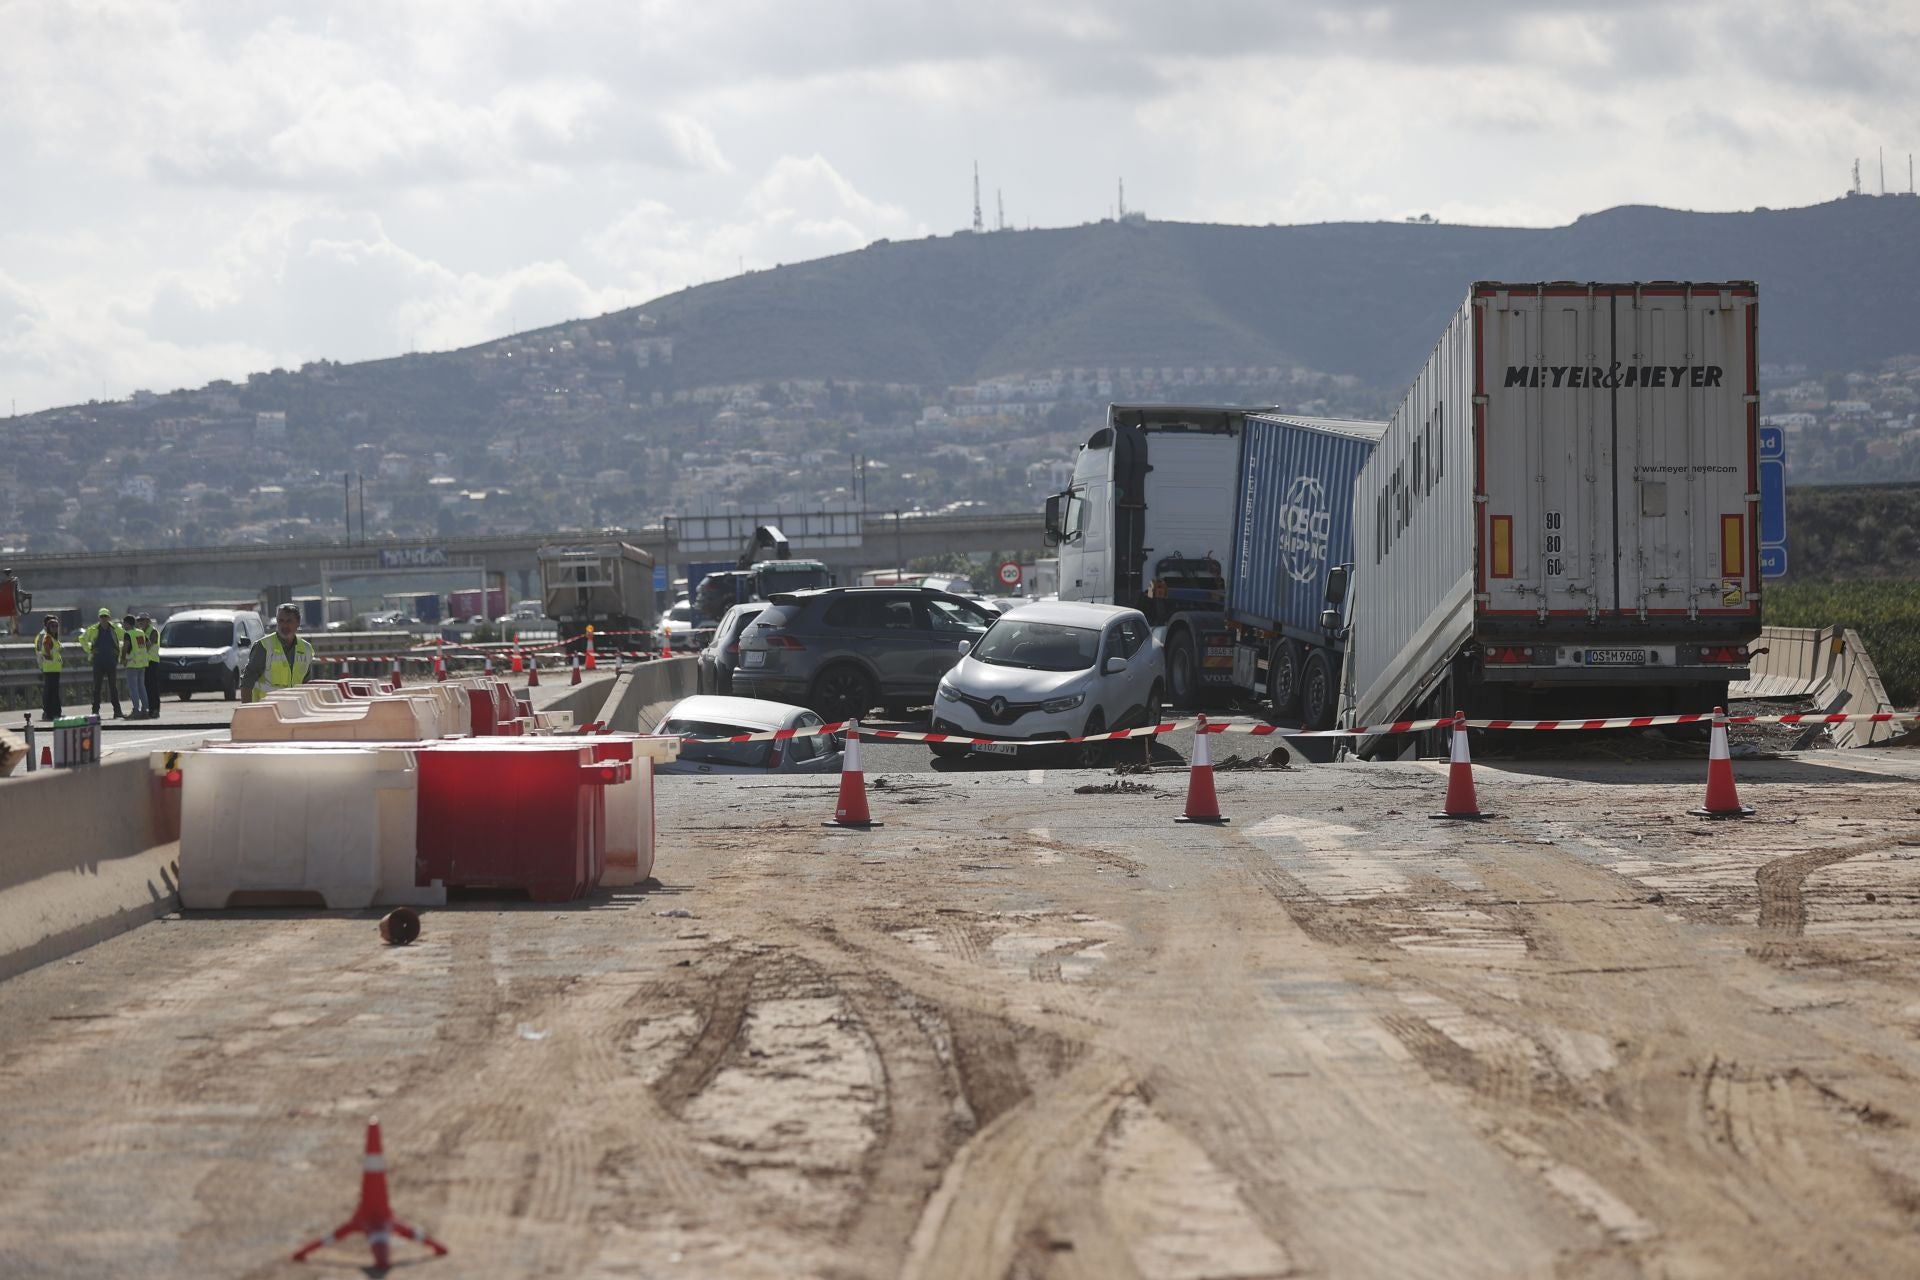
x=844 y=650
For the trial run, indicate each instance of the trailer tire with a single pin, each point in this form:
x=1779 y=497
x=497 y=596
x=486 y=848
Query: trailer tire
x=1319 y=696
x=1283 y=679
x=1183 y=672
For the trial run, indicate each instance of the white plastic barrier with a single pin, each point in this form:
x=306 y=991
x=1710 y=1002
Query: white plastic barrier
x=293 y=719
x=275 y=819
x=630 y=823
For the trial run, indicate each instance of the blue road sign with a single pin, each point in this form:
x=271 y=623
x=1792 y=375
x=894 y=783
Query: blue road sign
x=659 y=577
x=1772 y=442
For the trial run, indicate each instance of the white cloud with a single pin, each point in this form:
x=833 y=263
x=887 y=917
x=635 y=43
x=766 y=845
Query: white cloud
x=200 y=188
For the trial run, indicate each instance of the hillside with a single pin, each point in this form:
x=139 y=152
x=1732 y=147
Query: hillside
x=1838 y=282
x=953 y=370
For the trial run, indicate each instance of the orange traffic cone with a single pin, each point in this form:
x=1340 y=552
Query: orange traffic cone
x=374 y=1217
x=46 y=757
x=576 y=670
x=1723 y=800
x=592 y=664
x=1202 y=804
x=1462 y=804
x=851 y=811
x=517 y=665
x=394 y=677
x=533 y=671
x=666 y=645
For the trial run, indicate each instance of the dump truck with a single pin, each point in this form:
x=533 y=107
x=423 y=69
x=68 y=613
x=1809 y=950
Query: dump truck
x=606 y=585
x=1561 y=520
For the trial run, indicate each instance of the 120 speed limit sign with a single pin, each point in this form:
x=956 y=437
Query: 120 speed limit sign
x=1009 y=574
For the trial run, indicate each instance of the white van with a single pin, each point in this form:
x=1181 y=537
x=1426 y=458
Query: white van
x=204 y=650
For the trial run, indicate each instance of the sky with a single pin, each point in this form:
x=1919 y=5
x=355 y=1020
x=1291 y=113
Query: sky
x=194 y=190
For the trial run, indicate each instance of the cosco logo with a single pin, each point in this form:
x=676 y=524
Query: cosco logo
x=1306 y=527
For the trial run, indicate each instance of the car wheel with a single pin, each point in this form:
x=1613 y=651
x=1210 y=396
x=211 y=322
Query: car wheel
x=1091 y=755
x=842 y=693
x=1318 y=696
x=1183 y=681
x=1283 y=679
x=186 y=697
x=1156 y=709
x=229 y=686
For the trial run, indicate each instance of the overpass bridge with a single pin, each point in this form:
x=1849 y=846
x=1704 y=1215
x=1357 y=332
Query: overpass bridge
x=882 y=540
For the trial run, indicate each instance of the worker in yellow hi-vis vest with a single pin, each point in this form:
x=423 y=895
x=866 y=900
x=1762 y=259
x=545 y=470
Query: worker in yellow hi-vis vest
x=279 y=660
x=46 y=648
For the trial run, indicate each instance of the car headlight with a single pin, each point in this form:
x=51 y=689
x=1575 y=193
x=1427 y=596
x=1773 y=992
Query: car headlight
x=1067 y=703
x=948 y=693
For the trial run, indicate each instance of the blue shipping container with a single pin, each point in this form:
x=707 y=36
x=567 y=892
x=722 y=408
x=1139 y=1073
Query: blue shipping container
x=1293 y=517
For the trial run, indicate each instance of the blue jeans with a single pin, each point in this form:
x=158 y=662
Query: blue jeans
x=137 y=689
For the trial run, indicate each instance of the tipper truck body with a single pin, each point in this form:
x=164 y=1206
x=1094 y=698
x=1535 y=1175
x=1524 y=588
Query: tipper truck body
x=607 y=585
x=1561 y=519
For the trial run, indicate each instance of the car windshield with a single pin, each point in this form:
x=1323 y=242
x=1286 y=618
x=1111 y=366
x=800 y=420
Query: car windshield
x=1042 y=646
x=196 y=633
x=681 y=613
x=750 y=755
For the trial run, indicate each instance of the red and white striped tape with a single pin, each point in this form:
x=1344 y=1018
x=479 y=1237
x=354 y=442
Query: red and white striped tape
x=1280 y=731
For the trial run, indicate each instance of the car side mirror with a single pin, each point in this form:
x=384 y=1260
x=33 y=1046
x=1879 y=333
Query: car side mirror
x=964 y=645
x=1115 y=666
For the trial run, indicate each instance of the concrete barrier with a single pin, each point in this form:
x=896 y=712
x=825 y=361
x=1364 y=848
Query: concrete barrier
x=87 y=855
x=1829 y=665
x=642 y=693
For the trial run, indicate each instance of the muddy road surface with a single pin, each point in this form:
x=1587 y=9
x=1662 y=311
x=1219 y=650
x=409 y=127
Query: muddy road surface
x=1030 y=1030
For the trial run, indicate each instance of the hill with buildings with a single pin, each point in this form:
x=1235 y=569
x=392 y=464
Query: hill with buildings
x=928 y=374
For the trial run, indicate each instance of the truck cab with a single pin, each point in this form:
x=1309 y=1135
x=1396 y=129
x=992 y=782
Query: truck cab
x=1149 y=512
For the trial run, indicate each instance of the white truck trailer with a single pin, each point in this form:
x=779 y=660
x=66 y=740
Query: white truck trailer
x=1562 y=517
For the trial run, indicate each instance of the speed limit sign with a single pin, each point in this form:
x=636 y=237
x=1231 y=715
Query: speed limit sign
x=1009 y=573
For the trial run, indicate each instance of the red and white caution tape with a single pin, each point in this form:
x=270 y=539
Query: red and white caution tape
x=1280 y=731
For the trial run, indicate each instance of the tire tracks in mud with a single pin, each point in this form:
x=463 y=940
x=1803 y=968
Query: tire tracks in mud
x=1782 y=884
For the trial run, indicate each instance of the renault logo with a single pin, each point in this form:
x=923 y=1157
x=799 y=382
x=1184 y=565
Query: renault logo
x=998 y=707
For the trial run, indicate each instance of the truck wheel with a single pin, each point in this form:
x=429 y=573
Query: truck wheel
x=1183 y=673
x=1319 y=699
x=1283 y=679
x=842 y=693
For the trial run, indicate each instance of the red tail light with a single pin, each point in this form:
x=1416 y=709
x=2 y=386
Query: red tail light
x=1509 y=655
x=1723 y=654
x=733 y=650
x=780 y=641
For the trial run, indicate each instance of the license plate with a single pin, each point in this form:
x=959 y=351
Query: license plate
x=997 y=748
x=181 y=675
x=1616 y=657
x=753 y=658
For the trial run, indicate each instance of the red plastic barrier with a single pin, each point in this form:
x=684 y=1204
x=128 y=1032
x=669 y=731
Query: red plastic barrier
x=527 y=813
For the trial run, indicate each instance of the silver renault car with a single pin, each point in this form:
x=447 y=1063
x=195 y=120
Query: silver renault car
x=1053 y=670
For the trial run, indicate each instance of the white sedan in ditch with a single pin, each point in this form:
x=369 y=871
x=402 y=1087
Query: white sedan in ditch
x=710 y=716
x=1053 y=670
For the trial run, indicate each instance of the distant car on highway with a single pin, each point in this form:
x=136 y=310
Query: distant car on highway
x=722 y=654
x=845 y=650
x=1058 y=670
x=710 y=716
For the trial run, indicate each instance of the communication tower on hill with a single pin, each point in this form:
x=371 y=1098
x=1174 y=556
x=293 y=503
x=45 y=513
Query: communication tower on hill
x=979 y=223
x=1000 y=205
